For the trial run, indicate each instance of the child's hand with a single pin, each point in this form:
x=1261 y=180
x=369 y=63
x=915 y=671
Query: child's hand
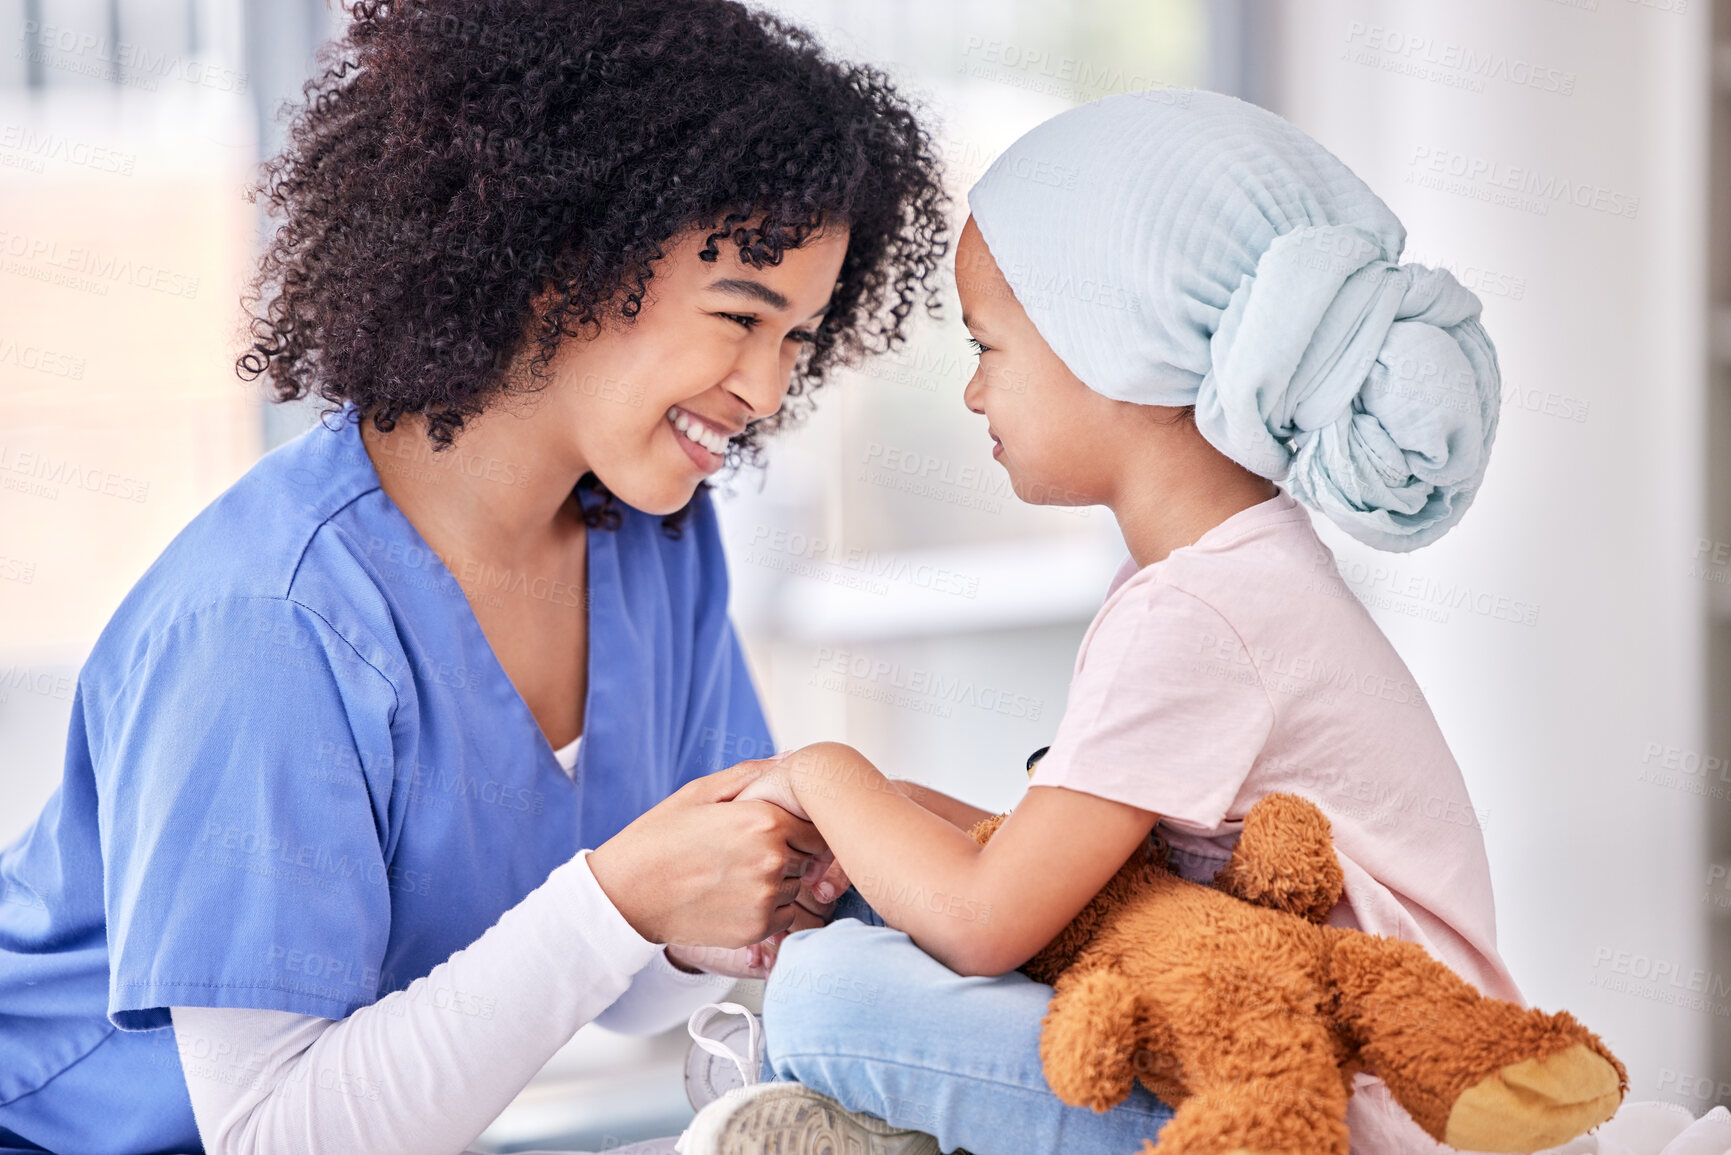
x=773 y=784
x=746 y=962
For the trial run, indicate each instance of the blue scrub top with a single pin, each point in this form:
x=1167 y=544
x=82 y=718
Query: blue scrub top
x=298 y=779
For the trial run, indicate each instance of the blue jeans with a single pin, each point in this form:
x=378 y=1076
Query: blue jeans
x=857 y=1011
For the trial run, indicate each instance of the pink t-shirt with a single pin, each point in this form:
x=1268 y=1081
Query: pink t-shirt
x=1241 y=666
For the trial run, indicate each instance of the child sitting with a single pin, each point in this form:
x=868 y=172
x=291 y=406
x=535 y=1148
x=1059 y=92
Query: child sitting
x=1192 y=301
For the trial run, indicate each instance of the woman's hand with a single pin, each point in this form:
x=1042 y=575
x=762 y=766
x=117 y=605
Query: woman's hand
x=701 y=869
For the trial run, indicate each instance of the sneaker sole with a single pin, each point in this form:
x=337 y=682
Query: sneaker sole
x=788 y=1119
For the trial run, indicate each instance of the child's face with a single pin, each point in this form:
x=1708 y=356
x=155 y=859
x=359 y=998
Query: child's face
x=1051 y=433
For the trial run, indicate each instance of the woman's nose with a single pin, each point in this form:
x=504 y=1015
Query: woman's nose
x=761 y=379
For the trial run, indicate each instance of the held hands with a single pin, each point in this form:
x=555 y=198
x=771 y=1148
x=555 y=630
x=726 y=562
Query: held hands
x=756 y=960
x=824 y=880
x=690 y=870
x=822 y=884
x=736 y=878
x=774 y=782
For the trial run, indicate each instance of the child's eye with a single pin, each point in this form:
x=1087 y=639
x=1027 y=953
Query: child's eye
x=740 y=319
x=803 y=336
x=974 y=344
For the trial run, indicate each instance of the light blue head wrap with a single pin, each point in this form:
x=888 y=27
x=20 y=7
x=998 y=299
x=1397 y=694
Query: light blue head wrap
x=1181 y=247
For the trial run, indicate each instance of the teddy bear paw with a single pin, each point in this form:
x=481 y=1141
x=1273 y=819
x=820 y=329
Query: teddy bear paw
x=1536 y=1103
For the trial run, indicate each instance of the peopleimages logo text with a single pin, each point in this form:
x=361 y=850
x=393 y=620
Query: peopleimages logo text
x=1525 y=180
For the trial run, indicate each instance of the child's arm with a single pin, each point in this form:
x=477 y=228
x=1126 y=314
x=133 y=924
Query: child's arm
x=951 y=810
x=979 y=911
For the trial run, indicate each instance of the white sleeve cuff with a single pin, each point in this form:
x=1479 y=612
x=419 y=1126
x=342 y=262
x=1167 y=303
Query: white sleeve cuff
x=607 y=931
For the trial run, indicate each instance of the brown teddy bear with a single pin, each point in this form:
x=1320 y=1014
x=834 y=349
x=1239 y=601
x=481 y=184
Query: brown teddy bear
x=1235 y=1005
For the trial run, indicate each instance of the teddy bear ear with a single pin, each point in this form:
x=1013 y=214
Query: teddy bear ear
x=1285 y=859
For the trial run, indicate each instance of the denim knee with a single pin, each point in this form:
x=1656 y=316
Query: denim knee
x=824 y=982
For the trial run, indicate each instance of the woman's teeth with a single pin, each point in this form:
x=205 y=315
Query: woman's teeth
x=699 y=432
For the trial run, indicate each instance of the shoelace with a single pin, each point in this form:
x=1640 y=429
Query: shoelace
x=751 y=1063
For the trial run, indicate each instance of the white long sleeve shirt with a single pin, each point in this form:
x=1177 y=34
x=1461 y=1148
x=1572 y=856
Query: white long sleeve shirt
x=425 y=1070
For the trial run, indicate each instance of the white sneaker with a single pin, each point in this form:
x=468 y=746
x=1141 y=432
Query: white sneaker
x=790 y=1119
x=714 y=1065
x=739 y=1114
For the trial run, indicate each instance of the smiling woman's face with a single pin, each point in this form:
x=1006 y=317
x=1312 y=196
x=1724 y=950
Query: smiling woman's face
x=650 y=403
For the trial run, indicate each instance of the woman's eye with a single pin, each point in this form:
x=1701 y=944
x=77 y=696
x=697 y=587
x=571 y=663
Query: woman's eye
x=975 y=345
x=803 y=336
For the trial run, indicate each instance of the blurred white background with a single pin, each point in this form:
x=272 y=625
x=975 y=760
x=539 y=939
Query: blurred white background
x=1560 y=156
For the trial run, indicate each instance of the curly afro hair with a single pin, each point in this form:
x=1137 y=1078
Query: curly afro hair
x=457 y=157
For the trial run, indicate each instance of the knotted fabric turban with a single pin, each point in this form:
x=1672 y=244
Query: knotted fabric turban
x=1180 y=247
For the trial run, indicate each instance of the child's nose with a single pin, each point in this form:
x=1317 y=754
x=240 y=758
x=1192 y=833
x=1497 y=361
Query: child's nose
x=974 y=394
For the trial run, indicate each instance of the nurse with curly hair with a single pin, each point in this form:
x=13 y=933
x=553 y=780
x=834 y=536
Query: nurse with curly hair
x=404 y=760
